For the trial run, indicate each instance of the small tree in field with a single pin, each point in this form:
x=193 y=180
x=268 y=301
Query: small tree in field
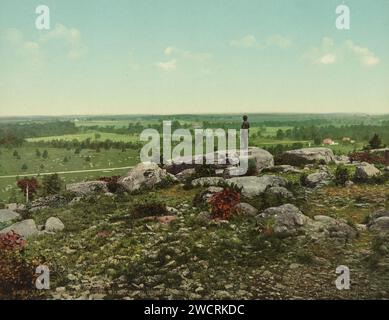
x=51 y=184
x=29 y=187
x=375 y=142
x=45 y=154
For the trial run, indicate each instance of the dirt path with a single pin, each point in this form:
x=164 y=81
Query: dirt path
x=64 y=172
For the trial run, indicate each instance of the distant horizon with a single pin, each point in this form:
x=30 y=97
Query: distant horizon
x=190 y=114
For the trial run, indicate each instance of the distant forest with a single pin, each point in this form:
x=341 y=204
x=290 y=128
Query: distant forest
x=298 y=127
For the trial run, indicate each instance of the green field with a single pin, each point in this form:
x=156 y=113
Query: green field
x=89 y=135
x=105 y=159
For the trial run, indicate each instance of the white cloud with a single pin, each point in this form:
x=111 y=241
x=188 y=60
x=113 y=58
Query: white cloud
x=329 y=58
x=279 y=41
x=329 y=53
x=167 y=66
x=183 y=58
x=71 y=36
x=247 y=41
x=14 y=39
x=365 y=56
x=188 y=55
x=325 y=54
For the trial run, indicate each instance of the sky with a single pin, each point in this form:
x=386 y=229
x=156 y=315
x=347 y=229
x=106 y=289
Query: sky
x=193 y=56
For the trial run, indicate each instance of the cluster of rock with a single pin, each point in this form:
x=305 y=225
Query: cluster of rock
x=288 y=221
x=300 y=157
x=378 y=221
x=28 y=228
x=222 y=162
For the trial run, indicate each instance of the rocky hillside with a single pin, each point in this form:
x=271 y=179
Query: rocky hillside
x=196 y=232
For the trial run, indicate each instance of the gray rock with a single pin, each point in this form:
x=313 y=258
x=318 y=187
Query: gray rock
x=380 y=224
x=144 y=176
x=329 y=227
x=342 y=159
x=253 y=186
x=16 y=207
x=185 y=174
x=263 y=159
x=288 y=219
x=8 y=215
x=246 y=209
x=25 y=228
x=207 y=181
x=222 y=160
x=54 y=224
x=318 y=179
x=284 y=168
x=366 y=170
x=53 y=201
x=379 y=221
x=87 y=187
x=303 y=156
x=280 y=191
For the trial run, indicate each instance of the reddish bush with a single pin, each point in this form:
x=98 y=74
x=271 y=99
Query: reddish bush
x=29 y=186
x=373 y=158
x=223 y=203
x=12 y=241
x=16 y=274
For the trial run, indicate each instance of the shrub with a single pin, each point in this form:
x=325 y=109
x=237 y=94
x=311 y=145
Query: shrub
x=303 y=179
x=28 y=186
x=17 y=276
x=252 y=168
x=112 y=183
x=51 y=184
x=148 y=209
x=341 y=175
x=223 y=203
x=366 y=156
x=204 y=170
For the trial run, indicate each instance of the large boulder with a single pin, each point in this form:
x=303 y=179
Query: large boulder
x=8 y=215
x=280 y=192
x=54 y=224
x=246 y=209
x=253 y=186
x=317 y=179
x=379 y=221
x=52 y=201
x=144 y=176
x=185 y=174
x=330 y=228
x=304 y=156
x=262 y=158
x=87 y=187
x=288 y=220
x=365 y=171
x=222 y=160
x=25 y=228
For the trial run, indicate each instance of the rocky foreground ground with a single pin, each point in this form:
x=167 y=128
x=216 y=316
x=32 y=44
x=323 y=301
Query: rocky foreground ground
x=156 y=236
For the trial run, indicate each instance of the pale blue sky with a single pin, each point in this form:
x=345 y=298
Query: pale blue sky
x=203 y=56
